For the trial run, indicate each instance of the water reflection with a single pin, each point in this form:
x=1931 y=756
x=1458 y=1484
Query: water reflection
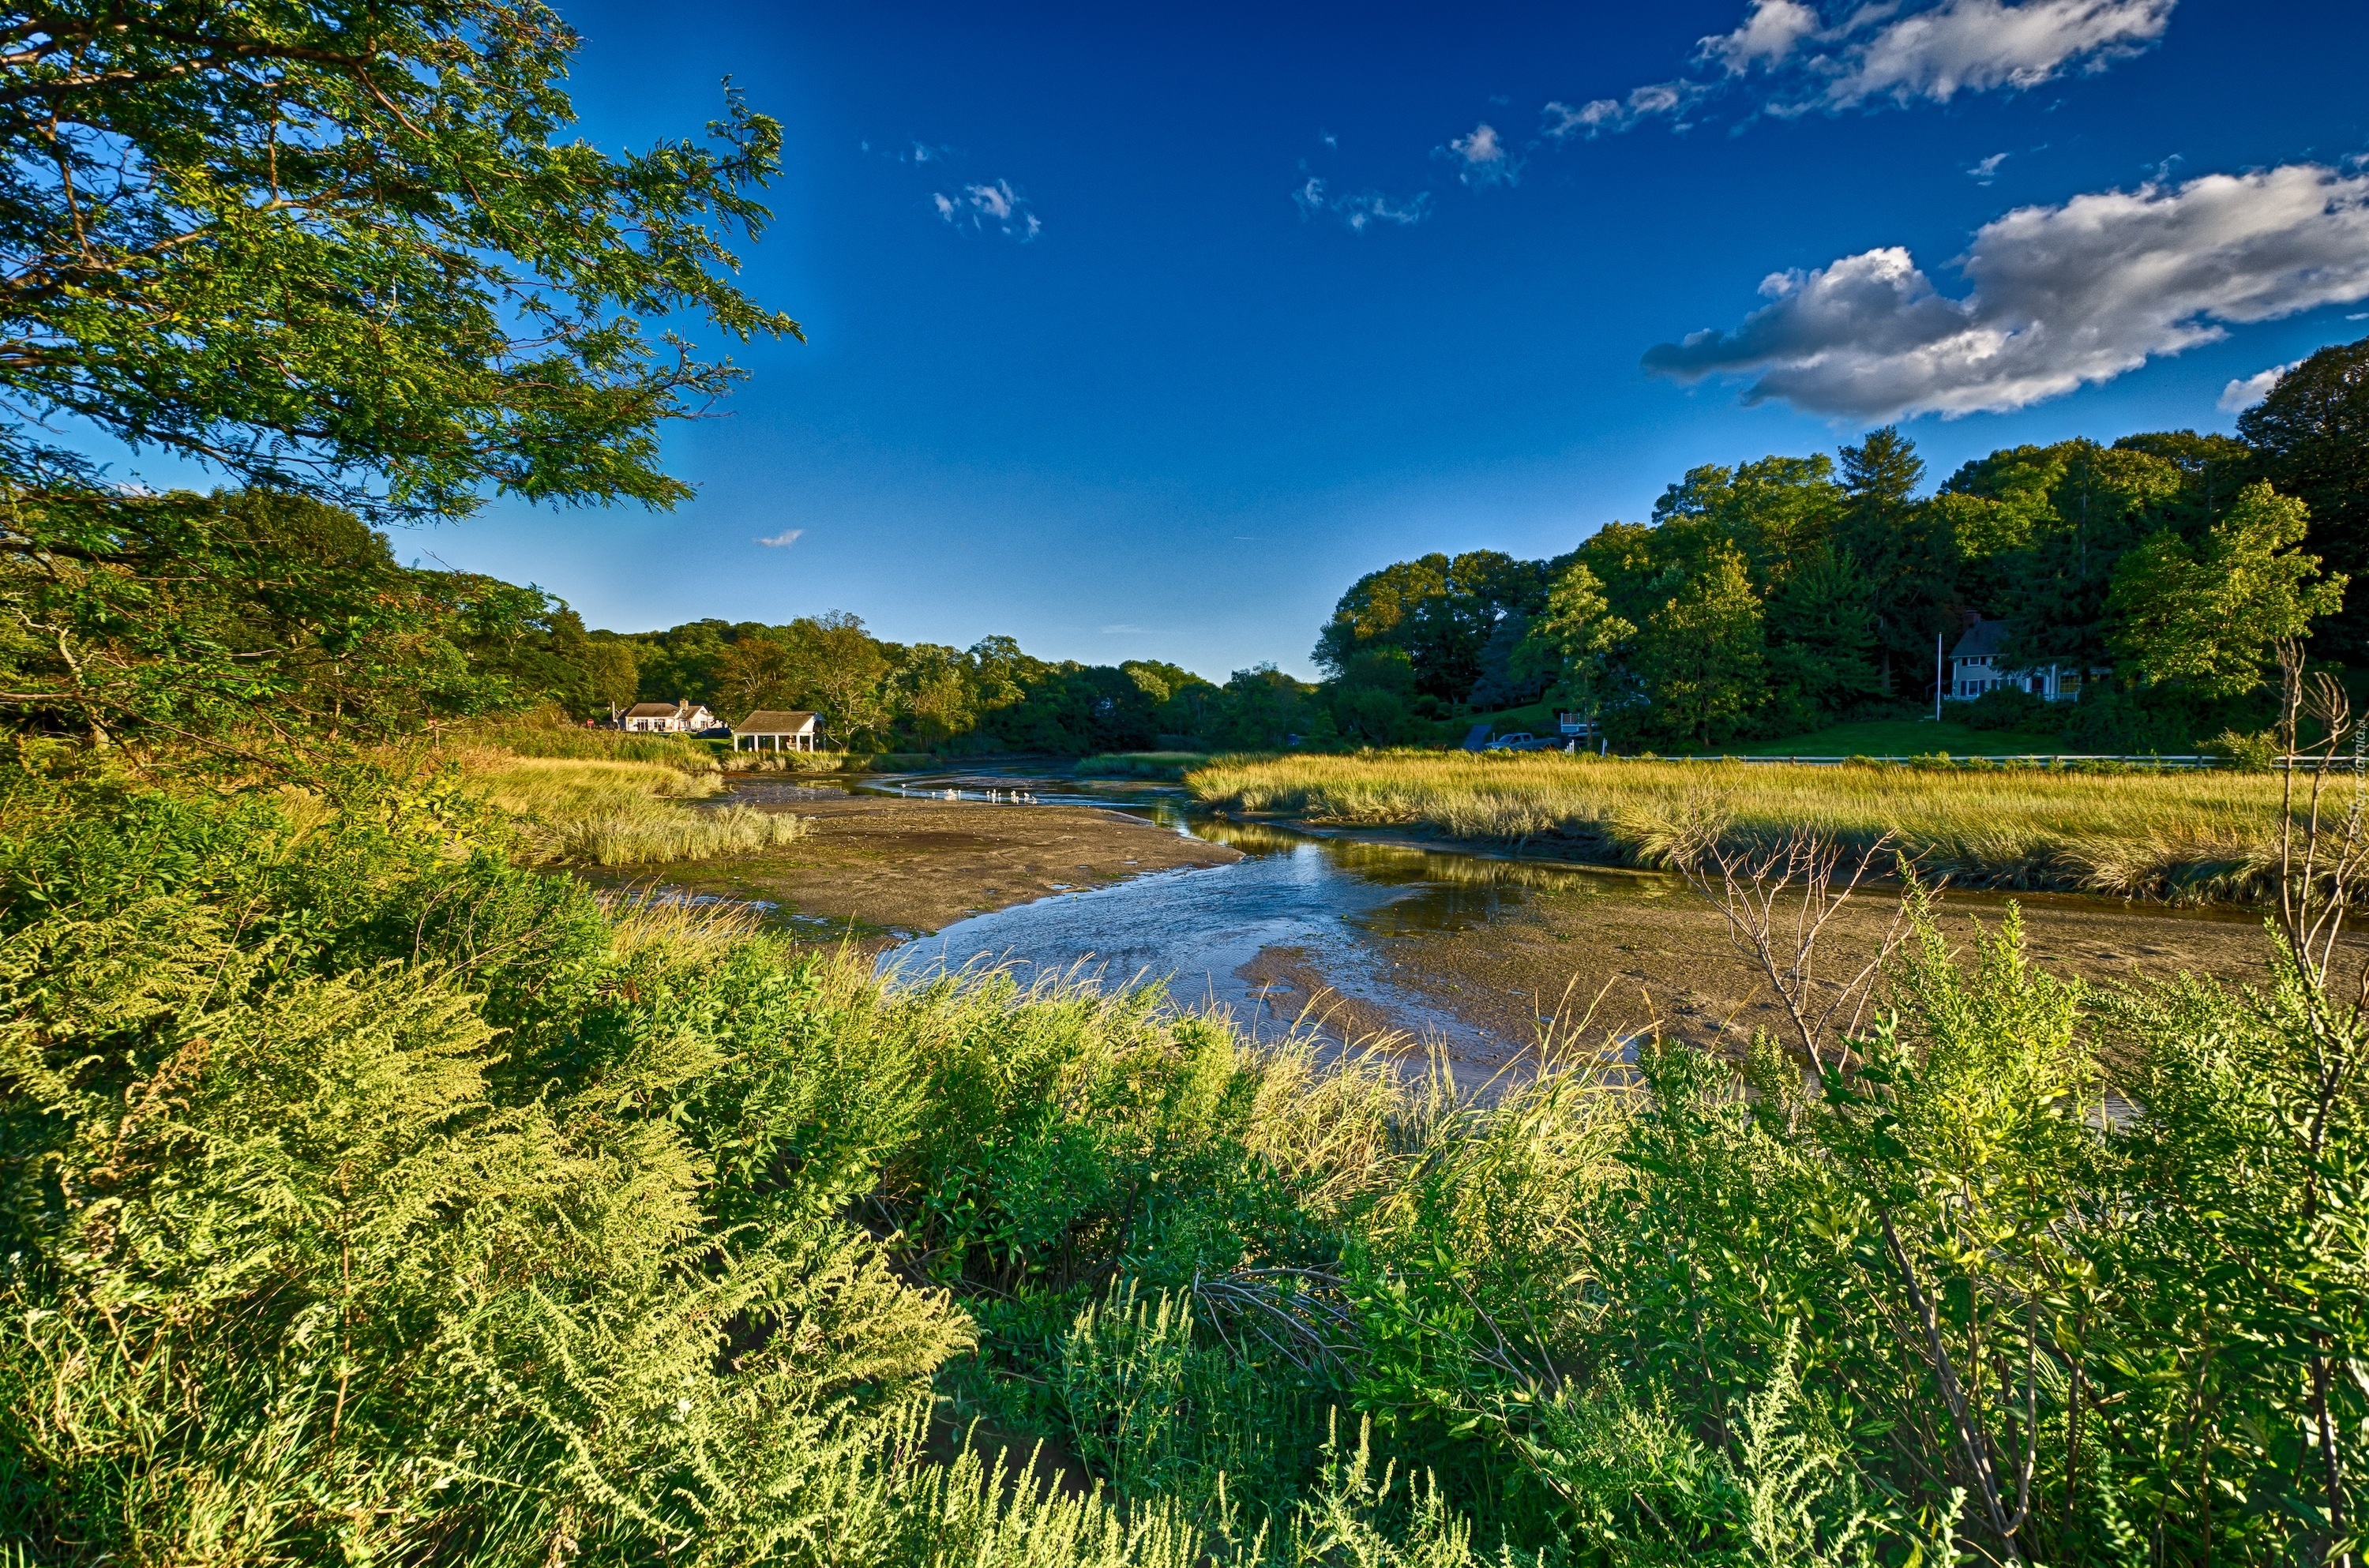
x=1309 y=905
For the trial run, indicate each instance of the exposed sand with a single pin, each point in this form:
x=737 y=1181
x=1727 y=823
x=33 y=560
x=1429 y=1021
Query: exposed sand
x=881 y=868
x=1646 y=952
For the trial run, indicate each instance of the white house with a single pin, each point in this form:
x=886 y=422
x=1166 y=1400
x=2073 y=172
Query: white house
x=670 y=718
x=789 y=729
x=1975 y=669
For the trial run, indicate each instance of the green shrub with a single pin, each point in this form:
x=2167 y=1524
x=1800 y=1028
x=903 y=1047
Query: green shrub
x=2255 y=753
x=2009 y=708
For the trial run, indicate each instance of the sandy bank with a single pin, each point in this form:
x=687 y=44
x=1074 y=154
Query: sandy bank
x=881 y=868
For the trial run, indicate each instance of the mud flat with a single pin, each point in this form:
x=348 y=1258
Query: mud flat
x=876 y=869
x=1647 y=952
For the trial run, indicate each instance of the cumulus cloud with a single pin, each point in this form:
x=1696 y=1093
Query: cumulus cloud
x=2244 y=394
x=782 y=540
x=1484 y=158
x=2060 y=297
x=995 y=208
x=1767 y=37
x=1985 y=170
x=1884 y=51
x=1360 y=209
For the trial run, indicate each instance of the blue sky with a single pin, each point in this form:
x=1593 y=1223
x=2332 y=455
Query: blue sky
x=1092 y=362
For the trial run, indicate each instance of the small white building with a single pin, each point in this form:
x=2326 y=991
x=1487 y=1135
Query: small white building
x=670 y=718
x=789 y=729
x=1975 y=669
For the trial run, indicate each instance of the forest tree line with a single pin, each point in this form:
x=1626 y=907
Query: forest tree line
x=1763 y=600
x=1774 y=597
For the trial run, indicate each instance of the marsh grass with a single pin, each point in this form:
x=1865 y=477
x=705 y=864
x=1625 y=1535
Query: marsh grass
x=2182 y=837
x=528 y=738
x=622 y=813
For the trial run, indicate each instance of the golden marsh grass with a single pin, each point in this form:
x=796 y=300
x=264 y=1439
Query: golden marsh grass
x=2178 y=836
x=622 y=813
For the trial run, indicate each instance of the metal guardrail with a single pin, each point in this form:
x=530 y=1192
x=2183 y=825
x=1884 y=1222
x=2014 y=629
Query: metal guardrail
x=2149 y=758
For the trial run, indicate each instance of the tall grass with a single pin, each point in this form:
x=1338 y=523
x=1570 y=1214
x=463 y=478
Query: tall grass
x=624 y=813
x=361 y=1202
x=527 y=738
x=2183 y=835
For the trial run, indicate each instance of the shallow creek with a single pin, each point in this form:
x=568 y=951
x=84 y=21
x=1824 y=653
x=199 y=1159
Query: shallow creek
x=1471 y=955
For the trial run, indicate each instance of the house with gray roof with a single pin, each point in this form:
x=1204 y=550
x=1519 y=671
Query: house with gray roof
x=1975 y=669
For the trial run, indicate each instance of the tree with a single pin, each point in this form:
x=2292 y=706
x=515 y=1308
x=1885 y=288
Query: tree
x=2209 y=615
x=1440 y=610
x=1699 y=656
x=2312 y=435
x=931 y=691
x=1777 y=511
x=341 y=254
x=1821 y=633
x=759 y=670
x=339 y=250
x=1903 y=548
x=266 y=612
x=613 y=672
x=840 y=670
x=1572 y=640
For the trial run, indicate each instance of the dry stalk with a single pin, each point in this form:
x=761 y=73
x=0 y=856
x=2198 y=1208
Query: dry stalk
x=1776 y=900
x=2323 y=853
x=1299 y=1313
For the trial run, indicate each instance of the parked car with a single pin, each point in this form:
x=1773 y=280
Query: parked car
x=1520 y=740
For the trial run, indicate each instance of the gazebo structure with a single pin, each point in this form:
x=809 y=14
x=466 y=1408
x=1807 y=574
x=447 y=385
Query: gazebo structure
x=788 y=731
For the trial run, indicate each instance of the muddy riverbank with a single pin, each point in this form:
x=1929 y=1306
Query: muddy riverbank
x=1360 y=933
x=877 y=869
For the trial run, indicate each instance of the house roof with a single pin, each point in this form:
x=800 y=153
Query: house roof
x=654 y=710
x=1982 y=639
x=777 y=721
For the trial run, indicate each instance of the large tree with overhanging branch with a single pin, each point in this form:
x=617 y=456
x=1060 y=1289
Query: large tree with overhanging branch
x=345 y=251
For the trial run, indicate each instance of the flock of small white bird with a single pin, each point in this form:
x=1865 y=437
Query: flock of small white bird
x=1000 y=796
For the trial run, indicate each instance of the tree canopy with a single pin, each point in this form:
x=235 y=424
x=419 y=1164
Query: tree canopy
x=341 y=249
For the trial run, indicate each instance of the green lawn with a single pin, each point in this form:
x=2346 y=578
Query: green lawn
x=1901 y=737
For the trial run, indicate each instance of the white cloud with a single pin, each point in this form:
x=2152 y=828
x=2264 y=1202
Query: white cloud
x=1882 y=51
x=1484 y=158
x=1123 y=630
x=2061 y=297
x=2245 y=394
x=1985 y=170
x=1982 y=45
x=782 y=540
x=1595 y=117
x=995 y=207
x=1766 y=36
x=1361 y=210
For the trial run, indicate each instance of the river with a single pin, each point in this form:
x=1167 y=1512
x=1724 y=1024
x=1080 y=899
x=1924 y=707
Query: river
x=1471 y=955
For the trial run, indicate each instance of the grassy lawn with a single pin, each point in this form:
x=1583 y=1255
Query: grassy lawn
x=1901 y=737
x=2185 y=836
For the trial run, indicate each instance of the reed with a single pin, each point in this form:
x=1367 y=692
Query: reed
x=2185 y=837
x=526 y=739
x=622 y=813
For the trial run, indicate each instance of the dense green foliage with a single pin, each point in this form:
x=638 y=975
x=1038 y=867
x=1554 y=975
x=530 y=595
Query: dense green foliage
x=1780 y=596
x=365 y=1196
x=340 y=248
x=878 y=696
x=256 y=619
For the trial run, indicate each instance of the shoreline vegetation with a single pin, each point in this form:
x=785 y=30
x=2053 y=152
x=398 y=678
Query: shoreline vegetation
x=532 y=1216
x=2191 y=837
x=631 y=807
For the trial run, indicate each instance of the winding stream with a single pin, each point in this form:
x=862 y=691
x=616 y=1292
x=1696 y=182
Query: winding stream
x=1464 y=952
